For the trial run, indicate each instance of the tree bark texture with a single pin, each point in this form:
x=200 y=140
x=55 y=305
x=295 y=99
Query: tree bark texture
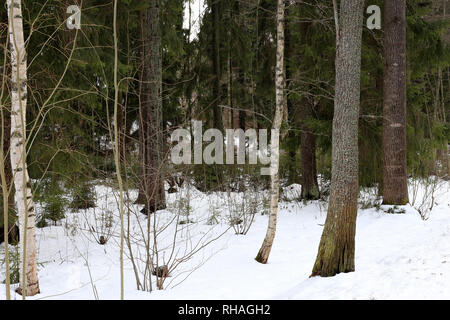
x=29 y=284
x=217 y=112
x=310 y=186
x=395 y=189
x=336 y=251
x=152 y=136
x=264 y=252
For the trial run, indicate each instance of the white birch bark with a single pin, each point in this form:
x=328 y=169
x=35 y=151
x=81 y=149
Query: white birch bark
x=29 y=284
x=263 y=254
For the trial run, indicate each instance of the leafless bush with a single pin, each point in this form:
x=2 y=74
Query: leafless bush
x=158 y=244
x=242 y=209
x=423 y=194
x=102 y=226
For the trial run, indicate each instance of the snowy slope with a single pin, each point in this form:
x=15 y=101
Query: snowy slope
x=398 y=256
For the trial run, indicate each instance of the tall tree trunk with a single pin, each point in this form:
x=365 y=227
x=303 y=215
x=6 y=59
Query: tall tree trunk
x=292 y=141
x=29 y=284
x=264 y=252
x=152 y=137
x=395 y=189
x=310 y=186
x=308 y=179
x=229 y=113
x=217 y=113
x=242 y=115
x=216 y=13
x=337 y=246
x=142 y=115
x=440 y=106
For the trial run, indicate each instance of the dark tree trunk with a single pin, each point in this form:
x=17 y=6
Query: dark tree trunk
x=395 y=189
x=216 y=14
x=217 y=112
x=310 y=186
x=152 y=137
x=292 y=144
x=336 y=252
x=142 y=115
x=242 y=111
x=308 y=180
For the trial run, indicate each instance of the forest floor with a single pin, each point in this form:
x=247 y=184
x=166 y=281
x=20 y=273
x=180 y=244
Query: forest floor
x=398 y=256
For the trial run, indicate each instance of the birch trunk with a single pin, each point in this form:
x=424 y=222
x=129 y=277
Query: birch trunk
x=264 y=252
x=29 y=284
x=336 y=251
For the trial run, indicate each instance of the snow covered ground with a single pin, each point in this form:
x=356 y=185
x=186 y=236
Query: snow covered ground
x=398 y=256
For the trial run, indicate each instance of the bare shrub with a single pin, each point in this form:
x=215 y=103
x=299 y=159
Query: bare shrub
x=160 y=243
x=242 y=209
x=423 y=192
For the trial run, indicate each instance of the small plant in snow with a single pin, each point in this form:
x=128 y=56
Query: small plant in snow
x=14 y=264
x=369 y=198
x=182 y=207
x=83 y=196
x=101 y=225
x=72 y=225
x=242 y=209
x=265 y=206
x=395 y=210
x=214 y=211
x=53 y=209
x=423 y=191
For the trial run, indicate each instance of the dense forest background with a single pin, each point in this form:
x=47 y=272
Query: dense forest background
x=71 y=144
x=224 y=75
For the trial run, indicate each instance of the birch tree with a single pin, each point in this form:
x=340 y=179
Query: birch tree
x=337 y=246
x=264 y=252
x=29 y=283
x=395 y=189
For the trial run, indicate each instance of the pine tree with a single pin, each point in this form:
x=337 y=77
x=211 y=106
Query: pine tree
x=215 y=6
x=151 y=122
x=395 y=189
x=336 y=252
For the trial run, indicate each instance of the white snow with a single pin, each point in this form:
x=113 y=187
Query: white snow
x=197 y=11
x=398 y=256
